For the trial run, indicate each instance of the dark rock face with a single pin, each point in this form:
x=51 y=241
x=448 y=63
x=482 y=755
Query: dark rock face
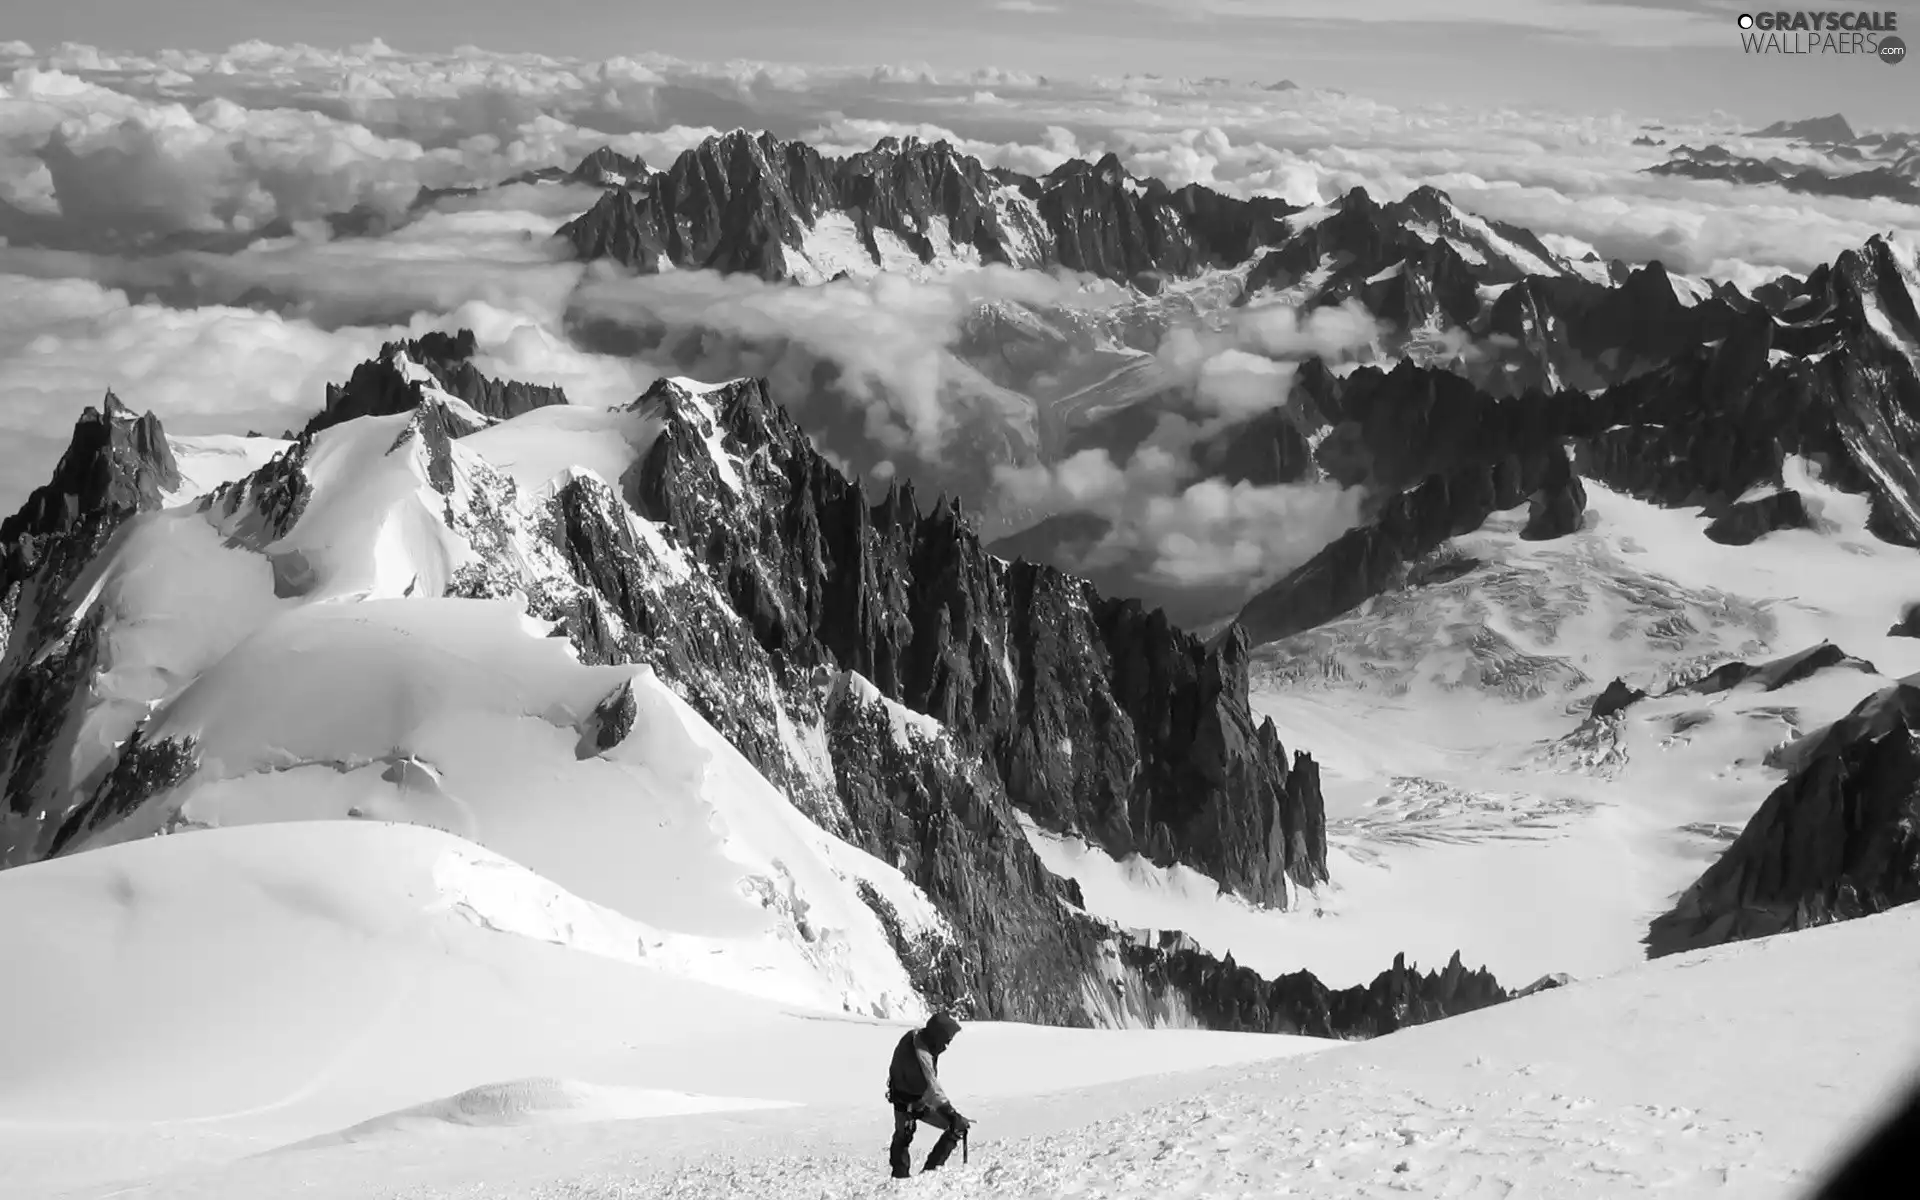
x=1837 y=840
x=1871 y=183
x=1054 y=705
x=1747 y=521
x=1099 y=717
x=382 y=387
x=1575 y=333
x=143 y=770
x=1265 y=450
x=1523 y=318
x=1364 y=562
x=1713 y=422
x=1909 y=623
x=1832 y=128
x=1104 y=222
x=740 y=203
x=1360 y=243
x=1617 y=698
x=1085 y=715
x=1558 y=507
x=1545 y=983
x=116 y=466
x=1225 y=995
x=1774 y=675
x=1720 y=420
x=950 y=827
x=609 y=723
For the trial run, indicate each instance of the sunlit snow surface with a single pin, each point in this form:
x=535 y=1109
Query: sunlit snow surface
x=470 y=967
x=321 y=672
x=300 y=1003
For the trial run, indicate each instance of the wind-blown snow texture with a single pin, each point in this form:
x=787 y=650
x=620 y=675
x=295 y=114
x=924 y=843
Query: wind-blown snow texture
x=1649 y=1082
x=236 y=990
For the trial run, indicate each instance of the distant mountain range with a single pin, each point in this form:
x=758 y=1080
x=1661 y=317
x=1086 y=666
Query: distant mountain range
x=923 y=686
x=1868 y=166
x=1471 y=309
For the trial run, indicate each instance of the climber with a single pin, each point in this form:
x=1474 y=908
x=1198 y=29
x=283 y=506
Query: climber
x=913 y=1088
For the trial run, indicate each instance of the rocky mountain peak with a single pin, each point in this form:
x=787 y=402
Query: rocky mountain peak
x=1358 y=200
x=609 y=168
x=1429 y=202
x=617 y=228
x=1840 y=838
x=1831 y=128
x=1111 y=171
x=116 y=464
x=1878 y=276
x=404 y=375
x=1651 y=284
x=745 y=203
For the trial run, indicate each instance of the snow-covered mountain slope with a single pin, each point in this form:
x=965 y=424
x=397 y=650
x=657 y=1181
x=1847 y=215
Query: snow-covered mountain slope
x=195 y=999
x=1472 y=800
x=1741 y=1070
x=319 y=674
x=598 y=778
x=1744 y=1071
x=499 y=630
x=209 y=460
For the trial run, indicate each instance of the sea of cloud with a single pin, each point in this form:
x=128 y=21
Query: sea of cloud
x=163 y=232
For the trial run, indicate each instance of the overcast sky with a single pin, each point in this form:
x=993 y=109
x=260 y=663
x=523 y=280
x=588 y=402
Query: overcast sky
x=1647 y=57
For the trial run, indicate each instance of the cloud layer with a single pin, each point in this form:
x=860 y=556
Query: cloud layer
x=163 y=231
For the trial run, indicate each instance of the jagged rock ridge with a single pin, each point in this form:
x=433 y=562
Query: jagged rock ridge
x=391 y=384
x=116 y=465
x=782 y=211
x=1225 y=995
x=810 y=606
x=1839 y=839
x=1098 y=717
x=1834 y=379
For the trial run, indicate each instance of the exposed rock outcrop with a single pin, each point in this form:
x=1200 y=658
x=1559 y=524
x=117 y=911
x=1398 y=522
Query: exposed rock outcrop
x=1364 y=562
x=1909 y=623
x=1559 y=506
x=1747 y=521
x=749 y=204
x=1870 y=183
x=391 y=384
x=1097 y=716
x=1832 y=384
x=1221 y=994
x=1839 y=839
x=1831 y=129
x=1615 y=699
x=117 y=465
x=1778 y=673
